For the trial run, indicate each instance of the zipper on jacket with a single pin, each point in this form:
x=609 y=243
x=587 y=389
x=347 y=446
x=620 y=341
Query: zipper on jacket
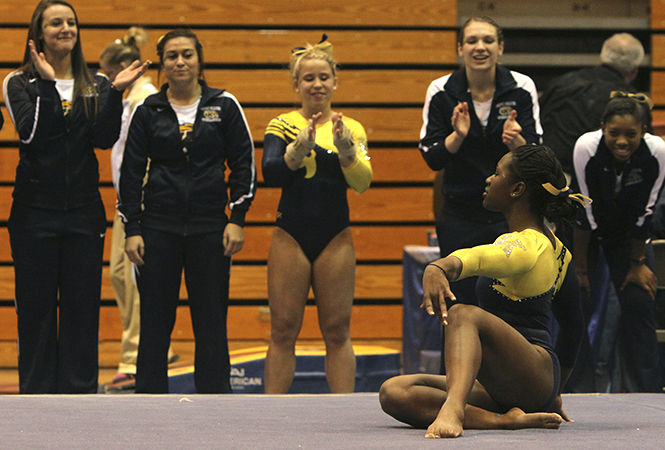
x=187 y=187
x=188 y=159
x=67 y=158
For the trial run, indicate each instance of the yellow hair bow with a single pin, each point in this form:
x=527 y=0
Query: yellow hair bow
x=322 y=45
x=639 y=97
x=567 y=192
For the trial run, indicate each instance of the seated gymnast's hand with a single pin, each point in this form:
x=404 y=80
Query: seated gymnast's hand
x=436 y=289
x=585 y=285
x=135 y=249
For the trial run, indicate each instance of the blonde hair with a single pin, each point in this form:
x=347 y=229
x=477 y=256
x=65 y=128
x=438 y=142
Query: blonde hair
x=322 y=50
x=127 y=49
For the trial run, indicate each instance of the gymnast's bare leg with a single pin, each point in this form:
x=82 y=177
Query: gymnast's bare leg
x=494 y=376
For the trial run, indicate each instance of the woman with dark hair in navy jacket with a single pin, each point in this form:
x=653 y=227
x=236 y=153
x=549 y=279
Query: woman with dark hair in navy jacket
x=190 y=133
x=57 y=223
x=622 y=167
x=471 y=118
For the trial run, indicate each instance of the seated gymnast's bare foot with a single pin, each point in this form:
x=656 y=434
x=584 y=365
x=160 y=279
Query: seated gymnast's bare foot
x=448 y=424
x=518 y=419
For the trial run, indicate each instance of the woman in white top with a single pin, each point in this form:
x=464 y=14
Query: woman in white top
x=113 y=59
x=472 y=117
x=57 y=223
x=176 y=220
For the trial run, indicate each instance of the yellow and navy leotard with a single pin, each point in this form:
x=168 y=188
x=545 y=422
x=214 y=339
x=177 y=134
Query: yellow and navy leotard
x=313 y=207
x=522 y=277
x=519 y=276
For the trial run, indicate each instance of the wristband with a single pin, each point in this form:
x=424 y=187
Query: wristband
x=440 y=268
x=300 y=149
x=639 y=262
x=345 y=145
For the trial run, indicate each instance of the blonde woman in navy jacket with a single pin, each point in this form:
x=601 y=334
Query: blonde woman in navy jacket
x=190 y=133
x=57 y=223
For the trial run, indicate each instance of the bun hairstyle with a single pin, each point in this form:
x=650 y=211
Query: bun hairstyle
x=322 y=50
x=127 y=49
x=547 y=191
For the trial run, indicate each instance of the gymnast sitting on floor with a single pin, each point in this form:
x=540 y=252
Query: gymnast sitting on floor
x=502 y=370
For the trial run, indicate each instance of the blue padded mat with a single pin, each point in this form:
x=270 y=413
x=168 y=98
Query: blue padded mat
x=374 y=365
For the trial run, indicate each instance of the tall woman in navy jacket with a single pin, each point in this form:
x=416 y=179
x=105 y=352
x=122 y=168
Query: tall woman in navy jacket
x=57 y=223
x=472 y=117
x=190 y=133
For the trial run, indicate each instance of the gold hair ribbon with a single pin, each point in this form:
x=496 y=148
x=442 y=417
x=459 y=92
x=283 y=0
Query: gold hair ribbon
x=567 y=192
x=639 y=97
x=322 y=45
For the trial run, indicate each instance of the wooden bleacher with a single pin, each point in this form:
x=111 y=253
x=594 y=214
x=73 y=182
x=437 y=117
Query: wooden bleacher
x=388 y=55
x=389 y=52
x=658 y=59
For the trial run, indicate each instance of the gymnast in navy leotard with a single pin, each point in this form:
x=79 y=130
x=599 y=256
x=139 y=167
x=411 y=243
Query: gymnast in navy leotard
x=503 y=370
x=313 y=208
x=314 y=154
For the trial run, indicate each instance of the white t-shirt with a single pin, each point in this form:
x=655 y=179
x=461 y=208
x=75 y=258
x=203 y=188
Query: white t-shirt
x=65 y=89
x=186 y=114
x=186 y=118
x=483 y=111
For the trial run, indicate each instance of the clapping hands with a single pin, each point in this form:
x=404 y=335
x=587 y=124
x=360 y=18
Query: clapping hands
x=342 y=137
x=42 y=66
x=125 y=78
x=511 y=132
x=461 y=121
